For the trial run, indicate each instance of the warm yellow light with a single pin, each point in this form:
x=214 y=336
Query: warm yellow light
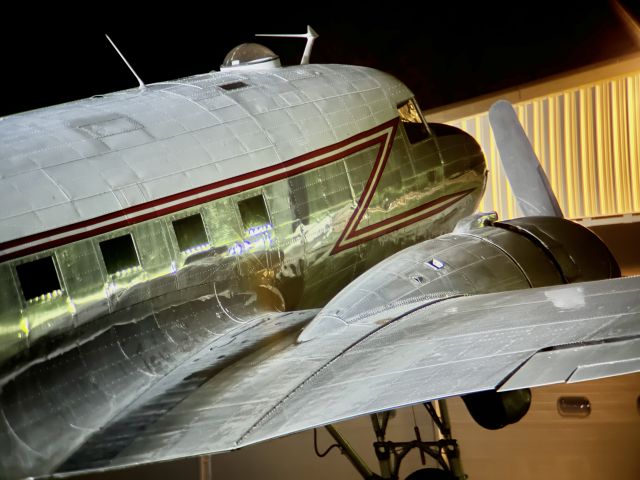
x=633 y=110
x=588 y=142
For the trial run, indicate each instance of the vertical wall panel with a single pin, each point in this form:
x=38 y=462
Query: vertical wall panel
x=633 y=109
x=588 y=141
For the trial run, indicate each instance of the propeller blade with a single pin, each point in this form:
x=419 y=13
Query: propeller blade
x=528 y=181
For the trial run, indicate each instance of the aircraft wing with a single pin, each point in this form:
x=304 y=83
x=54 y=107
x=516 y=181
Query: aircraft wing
x=406 y=355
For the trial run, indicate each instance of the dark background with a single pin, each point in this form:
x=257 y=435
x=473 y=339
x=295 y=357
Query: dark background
x=450 y=52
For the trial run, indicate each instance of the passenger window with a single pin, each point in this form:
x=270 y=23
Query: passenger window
x=253 y=212
x=190 y=232
x=38 y=278
x=119 y=254
x=412 y=121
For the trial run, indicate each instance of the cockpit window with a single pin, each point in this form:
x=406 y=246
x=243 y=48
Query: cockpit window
x=412 y=121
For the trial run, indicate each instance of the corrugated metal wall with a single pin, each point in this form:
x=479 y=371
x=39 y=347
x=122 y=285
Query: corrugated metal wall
x=588 y=142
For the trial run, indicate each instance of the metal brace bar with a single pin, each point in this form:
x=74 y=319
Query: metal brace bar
x=383 y=452
x=385 y=420
x=453 y=455
x=351 y=454
x=444 y=430
x=390 y=454
x=440 y=417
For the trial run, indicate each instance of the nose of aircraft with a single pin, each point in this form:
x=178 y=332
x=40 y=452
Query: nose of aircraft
x=463 y=161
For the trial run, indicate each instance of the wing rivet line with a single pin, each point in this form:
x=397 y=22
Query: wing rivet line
x=269 y=414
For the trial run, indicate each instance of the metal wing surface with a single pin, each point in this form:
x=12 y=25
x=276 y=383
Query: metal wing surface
x=404 y=356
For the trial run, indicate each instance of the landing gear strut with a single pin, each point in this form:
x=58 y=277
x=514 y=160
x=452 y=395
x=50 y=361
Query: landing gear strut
x=390 y=454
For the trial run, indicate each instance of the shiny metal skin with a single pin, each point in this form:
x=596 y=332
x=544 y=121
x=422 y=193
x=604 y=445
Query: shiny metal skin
x=448 y=347
x=286 y=256
x=300 y=179
x=317 y=153
x=515 y=254
x=448 y=266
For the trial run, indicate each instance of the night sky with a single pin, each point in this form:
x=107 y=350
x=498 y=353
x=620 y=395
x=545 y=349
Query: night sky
x=453 y=52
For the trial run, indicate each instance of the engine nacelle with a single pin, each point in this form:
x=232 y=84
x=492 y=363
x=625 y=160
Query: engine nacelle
x=516 y=254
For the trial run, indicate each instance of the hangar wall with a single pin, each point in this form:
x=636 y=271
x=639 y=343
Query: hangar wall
x=585 y=128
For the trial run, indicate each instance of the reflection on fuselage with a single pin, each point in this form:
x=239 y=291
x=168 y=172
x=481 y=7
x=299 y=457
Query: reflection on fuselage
x=289 y=224
x=390 y=199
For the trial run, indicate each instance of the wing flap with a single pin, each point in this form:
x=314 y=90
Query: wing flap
x=603 y=370
x=577 y=364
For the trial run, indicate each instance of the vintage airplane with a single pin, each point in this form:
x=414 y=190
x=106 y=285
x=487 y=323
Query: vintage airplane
x=194 y=266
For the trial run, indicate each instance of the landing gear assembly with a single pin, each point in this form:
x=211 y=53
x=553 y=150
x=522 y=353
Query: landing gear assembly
x=390 y=454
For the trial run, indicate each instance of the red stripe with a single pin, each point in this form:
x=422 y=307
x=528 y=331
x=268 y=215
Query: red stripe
x=411 y=212
x=196 y=201
x=351 y=230
x=372 y=182
x=340 y=247
x=363 y=202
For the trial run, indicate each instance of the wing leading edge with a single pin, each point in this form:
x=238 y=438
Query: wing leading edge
x=447 y=347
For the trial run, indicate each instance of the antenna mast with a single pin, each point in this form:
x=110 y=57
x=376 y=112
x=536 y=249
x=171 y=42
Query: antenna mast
x=311 y=36
x=140 y=82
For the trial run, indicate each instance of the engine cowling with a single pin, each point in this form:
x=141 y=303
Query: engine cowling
x=577 y=253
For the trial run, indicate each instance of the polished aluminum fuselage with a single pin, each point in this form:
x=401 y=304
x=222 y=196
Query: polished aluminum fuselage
x=342 y=185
